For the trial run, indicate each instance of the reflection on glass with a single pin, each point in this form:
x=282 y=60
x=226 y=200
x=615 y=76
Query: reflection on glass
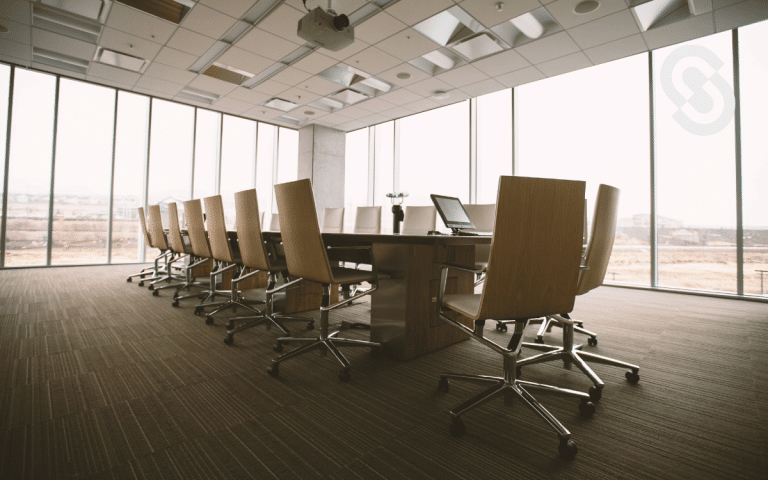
x=384 y=164
x=494 y=143
x=355 y=175
x=753 y=64
x=265 y=156
x=238 y=162
x=593 y=125
x=29 y=171
x=695 y=166
x=207 y=150
x=130 y=175
x=83 y=173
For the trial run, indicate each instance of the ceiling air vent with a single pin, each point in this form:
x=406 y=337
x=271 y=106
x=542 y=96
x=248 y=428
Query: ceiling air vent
x=173 y=11
x=120 y=60
x=227 y=73
x=65 y=23
x=280 y=104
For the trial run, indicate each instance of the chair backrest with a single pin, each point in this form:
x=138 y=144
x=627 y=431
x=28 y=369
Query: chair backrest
x=252 y=251
x=533 y=268
x=198 y=238
x=419 y=220
x=174 y=232
x=143 y=222
x=368 y=220
x=601 y=238
x=333 y=220
x=482 y=216
x=155 y=228
x=303 y=244
x=586 y=225
x=217 y=229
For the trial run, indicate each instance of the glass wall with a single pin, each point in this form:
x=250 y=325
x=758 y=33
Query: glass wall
x=384 y=172
x=753 y=69
x=695 y=164
x=5 y=89
x=494 y=143
x=287 y=158
x=355 y=175
x=82 y=173
x=265 y=158
x=207 y=151
x=238 y=165
x=29 y=170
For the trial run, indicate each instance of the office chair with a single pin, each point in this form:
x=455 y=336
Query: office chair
x=201 y=249
x=256 y=257
x=183 y=249
x=532 y=271
x=307 y=259
x=225 y=262
x=176 y=244
x=159 y=241
x=482 y=216
x=368 y=220
x=419 y=220
x=152 y=271
x=596 y=264
x=333 y=220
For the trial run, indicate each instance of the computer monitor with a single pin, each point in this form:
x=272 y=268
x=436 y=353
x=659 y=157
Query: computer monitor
x=452 y=212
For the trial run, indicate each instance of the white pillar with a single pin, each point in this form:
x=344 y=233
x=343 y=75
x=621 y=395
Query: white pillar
x=321 y=159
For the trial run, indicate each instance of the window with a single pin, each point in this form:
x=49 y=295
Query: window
x=355 y=175
x=5 y=85
x=288 y=158
x=83 y=173
x=695 y=164
x=753 y=65
x=238 y=162
x=207 y=150
x=29 y=170
x=494 y=143
x=130 y=176
x=384 y=165
x=593 y=125
x=265 y=157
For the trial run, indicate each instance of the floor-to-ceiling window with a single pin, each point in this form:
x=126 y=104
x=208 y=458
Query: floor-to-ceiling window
x=265 y=163
x=494 y=143
x=207 y=151
x=238 y=162
x=695 y=164
x=384 y=173
x=355 y=175
x=5 y=92
x=287 y=158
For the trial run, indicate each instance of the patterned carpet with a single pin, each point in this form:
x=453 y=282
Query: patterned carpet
x=99 y=379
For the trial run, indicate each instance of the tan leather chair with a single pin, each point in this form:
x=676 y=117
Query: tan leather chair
x=158 y=240
x=307 y=260
x=483 y=217
x=333 y=220
x=596 y=264
x=183 y=248
x=368 y=220
x=151 y=271
x=176 y=244
x=419 y=220
x=256 y=257
x=201 y=248
x=225 y=262
x=533 y=271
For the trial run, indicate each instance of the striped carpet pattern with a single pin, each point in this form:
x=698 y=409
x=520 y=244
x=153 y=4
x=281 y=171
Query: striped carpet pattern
x=99 y=379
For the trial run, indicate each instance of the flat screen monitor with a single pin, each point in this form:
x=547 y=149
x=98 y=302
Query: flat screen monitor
x=452 y=212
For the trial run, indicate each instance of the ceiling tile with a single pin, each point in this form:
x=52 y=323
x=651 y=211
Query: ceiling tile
x=489 y=15
x=207 y=21
x=353 y=112
x=548 y=48
x=319 y=86
x=17 y=32
x=347 y=52
x=158 y=85
x=283 y=22
x=607 y=29
x=299 y=96
x=375 y=119
x=263 y=113
x=740 y=14
x=520 y=77
x=138 y=23
x=569 y=63
x=694 y=27
x=372 y=60
x=290 y=76
x=407 y=45
x=390 y=75
x=190 y=42
x=483 y=88
x=401 y=97
x=113 y=73
x=314 y=63
x=376 y=105
x=501 y=63
x=454 y=96
x=378 y=27
x=9 y=49
x=16 y=10
x=247 y=95
x=106 y=81
x=169 y=74
x=716 y=4
x=266 y=44
x=213 y=85
x=231 y=105
x=429 y=86
x=66 y=45
x=617 y=49
x=175 y=58
x=244 y=60
x=397 y=112
x=128 y=44
x=152 y=93
x=562 y=11
x=412 y=13
x=422 y=105
x=340 y=6
x=458 y=77
x=233 y=8
x=61 y=71
x=271 y=87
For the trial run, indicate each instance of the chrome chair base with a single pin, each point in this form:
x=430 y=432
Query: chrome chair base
x=235 y=299
x=578 y=327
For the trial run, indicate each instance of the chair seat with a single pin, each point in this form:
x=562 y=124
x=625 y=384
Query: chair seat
x=345 y=276
x=481 y=266
x=467 y=304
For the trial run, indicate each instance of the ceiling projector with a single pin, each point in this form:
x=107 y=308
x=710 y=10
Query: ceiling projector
x=326 y=29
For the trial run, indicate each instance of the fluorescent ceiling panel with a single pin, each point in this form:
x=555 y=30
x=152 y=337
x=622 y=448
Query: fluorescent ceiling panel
x=449 y=26
x=528 y=26
x=227 y=73
x=478 y=46
x=349 y=97
x=280 y=104
x=59 y=60
x=121 y=60
x=93 y=9
x=169 y=10
x=65 y=23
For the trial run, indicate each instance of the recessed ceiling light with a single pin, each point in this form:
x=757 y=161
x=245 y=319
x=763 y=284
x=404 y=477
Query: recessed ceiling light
x=120 y=60
x=439 y=95
x=280 y=104
x=587 y=6
x=403 y=75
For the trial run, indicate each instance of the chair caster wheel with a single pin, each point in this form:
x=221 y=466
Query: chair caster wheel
x=457 y=427
x=274 y=370
x=567 y=449
x=175 y=303
x=311 y=326
x=587 y=408
x=129 y=279
x=209 y=320
x=539 y=340
x=344 y=376
x=141 y=284
x=632 y=376
x=519 y=372
x=151 y=288
x=278 y=347
x=229 y=340
x=198 y=310
x=595 y=394
x=376 y=352
x=155 y=293
x=443 y=385
x=500 y=327
x=592 y=341
x=230 y=325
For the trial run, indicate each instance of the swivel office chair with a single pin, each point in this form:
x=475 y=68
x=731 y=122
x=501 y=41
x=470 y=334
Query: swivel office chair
x=368 y=220
x=482 y=216
x=159 y=241
x=183 y=248
x=151 y=271
x=333 y=220
x=419 y=220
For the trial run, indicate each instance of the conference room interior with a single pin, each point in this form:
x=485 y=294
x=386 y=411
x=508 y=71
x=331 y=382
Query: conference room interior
x=101 y=378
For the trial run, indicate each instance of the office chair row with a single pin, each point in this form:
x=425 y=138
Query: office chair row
x=535 y=269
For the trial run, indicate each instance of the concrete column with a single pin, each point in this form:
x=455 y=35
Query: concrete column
x=321 y=159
